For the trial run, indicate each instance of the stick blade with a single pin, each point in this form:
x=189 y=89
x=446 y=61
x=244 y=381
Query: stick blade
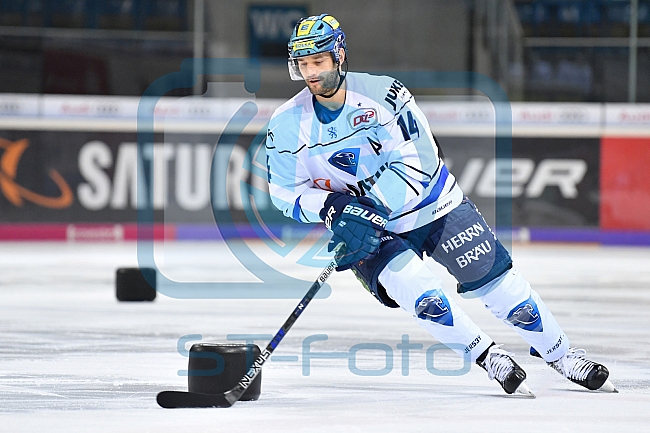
x=181 y=399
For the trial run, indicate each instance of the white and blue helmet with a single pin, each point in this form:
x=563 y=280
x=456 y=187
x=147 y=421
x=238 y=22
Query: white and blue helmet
x=313 y=35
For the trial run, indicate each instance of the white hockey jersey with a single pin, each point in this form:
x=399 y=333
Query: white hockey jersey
x=378 y=144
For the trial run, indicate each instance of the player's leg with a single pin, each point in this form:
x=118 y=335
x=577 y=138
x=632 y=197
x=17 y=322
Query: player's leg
x=418 y=291
x=398 y=277
x=467 y=247
x=510 y=298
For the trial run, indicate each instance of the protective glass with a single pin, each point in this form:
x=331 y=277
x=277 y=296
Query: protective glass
x=329 y=79
x=294 y=70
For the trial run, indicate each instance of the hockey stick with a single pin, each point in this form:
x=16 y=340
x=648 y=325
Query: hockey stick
x=179 y=399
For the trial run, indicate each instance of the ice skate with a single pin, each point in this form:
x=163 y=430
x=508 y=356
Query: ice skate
x=500 y=366
x=577 y=369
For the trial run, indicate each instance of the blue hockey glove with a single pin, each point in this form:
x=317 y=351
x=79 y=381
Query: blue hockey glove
x=355 y=221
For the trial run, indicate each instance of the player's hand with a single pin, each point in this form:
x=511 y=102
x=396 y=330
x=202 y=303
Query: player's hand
x=358 y=223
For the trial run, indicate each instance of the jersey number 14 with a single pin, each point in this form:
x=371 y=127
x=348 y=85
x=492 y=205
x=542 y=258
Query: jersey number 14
x=412 y=128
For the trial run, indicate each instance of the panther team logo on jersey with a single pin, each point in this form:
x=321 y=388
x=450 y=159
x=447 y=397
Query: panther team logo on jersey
x=434 y=306
x=346 y=160
x=526 y=316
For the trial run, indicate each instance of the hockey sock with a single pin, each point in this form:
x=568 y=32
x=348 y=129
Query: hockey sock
x=410 y=282
x=511 y=299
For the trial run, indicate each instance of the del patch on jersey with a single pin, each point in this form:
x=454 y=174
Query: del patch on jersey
x=362 y=117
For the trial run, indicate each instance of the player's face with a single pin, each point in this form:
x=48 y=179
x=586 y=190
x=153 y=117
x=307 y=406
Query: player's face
x=320 y=73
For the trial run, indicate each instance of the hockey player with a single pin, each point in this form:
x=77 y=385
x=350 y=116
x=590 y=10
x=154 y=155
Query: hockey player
x=354 y=151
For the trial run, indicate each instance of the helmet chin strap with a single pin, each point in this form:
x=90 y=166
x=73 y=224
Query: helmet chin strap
x=341 y=78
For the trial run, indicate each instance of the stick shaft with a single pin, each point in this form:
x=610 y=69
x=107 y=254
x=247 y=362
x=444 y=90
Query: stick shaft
x=235 y=394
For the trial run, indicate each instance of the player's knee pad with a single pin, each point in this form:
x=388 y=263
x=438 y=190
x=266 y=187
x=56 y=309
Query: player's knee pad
x=433 y=305
x=413 y=286
x=466 y=246
x=510 y=298
x=367 y=271
x=418 y=290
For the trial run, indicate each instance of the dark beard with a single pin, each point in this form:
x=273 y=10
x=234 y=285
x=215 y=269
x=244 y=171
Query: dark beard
x=329 y=82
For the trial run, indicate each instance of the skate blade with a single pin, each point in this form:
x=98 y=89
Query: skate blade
x=608 y=387
x=525 y=391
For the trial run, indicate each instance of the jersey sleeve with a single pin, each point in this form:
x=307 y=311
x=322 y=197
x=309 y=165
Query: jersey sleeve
x=412 y=156
x=290 y=186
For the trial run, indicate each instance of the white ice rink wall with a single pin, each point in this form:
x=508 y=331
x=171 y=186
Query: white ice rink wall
x=70 y=167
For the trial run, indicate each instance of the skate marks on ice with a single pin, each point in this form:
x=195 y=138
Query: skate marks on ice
x=74 y=359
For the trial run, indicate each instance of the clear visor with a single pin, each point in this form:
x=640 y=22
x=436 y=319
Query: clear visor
x=294 y=70
x=296 y=75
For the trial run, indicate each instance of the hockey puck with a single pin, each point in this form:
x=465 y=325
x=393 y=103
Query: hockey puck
x=217 y=368
x=135 y=284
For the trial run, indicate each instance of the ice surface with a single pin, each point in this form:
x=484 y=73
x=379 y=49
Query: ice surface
x=73 y=359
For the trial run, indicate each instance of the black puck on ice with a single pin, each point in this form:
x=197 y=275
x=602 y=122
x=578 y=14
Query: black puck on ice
x=217 y=368
x=135 y=284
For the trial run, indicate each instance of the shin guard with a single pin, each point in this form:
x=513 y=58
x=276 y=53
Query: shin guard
x=511 y=299
x=410 y=282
